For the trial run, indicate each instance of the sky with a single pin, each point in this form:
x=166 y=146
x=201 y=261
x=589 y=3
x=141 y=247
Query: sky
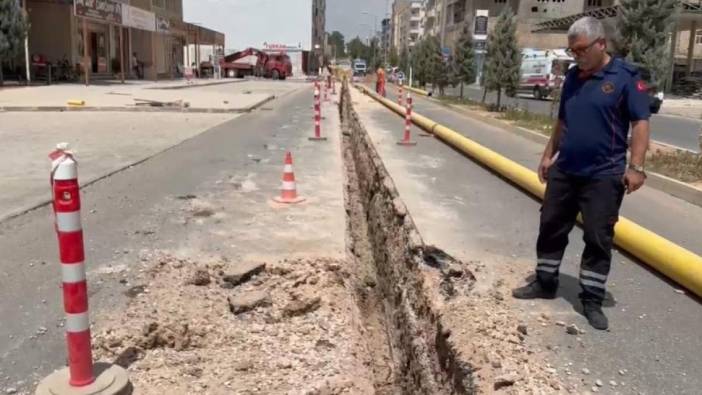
x=250 y=23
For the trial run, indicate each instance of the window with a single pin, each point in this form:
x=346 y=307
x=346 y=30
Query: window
x=698 y=37
x=594 y=3
x=534 y=9
x=500 y=1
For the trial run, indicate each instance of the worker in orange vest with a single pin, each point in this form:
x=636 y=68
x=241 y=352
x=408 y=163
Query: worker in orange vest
x=380 y=82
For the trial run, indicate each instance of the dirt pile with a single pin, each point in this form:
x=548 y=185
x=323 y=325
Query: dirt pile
x=289 y=327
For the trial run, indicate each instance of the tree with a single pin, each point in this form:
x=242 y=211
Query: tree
x=445 y=74
x=359 y=50
x=644 y=29
x=465 y=60
x=337 y=41
x=394 y=58
x=405 y=61
x=503 y=59
x=13 y=30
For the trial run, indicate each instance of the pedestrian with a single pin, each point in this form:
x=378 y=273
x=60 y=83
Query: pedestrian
x=380 y=82
x=585 y=165
x=137 y=66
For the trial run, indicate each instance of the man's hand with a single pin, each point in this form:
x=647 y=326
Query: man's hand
x=633 y=180
x=544 y=167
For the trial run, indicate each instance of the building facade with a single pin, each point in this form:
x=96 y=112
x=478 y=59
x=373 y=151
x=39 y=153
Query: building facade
x=408 y=17
x=319 y=36
x=447 y=19
x=97 y=37
x=385 y=34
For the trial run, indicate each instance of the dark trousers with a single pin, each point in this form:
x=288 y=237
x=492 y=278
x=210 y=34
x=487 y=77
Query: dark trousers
x=598 y=200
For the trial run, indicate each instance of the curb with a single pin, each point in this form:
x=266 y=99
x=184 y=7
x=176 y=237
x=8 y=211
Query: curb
x=195 y=110
x=416 y=90
x=198 y=85
x=671 y=186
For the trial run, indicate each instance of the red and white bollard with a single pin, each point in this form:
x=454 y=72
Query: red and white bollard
x=399 y=96
x=317 y=117
x=406 y=140
x=79 y=377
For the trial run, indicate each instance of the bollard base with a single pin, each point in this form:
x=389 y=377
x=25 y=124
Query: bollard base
x=317 y=139
x=109 y=380
x=407 y=143
x=297 y=200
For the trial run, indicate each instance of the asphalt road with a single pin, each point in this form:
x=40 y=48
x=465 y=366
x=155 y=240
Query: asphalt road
x=140 y=209
x=654 y=332
x=672 y=130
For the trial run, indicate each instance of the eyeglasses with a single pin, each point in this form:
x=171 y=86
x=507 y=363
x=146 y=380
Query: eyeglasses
x=582 y=50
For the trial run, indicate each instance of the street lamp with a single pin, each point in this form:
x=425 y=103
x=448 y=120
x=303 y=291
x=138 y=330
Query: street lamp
x=370 y=35
x=374 y=27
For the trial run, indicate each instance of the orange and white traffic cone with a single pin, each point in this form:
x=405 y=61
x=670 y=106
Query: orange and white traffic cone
x=406 y=140
x=288 y=193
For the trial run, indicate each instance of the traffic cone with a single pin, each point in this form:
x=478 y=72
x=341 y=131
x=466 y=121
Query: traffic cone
x=288 y=193
x=406 y=140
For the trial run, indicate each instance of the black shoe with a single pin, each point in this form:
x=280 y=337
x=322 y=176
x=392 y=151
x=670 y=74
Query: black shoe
x=534 y=291
x=595 y=316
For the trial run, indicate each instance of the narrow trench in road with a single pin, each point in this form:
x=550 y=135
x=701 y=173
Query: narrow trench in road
x=410 y=351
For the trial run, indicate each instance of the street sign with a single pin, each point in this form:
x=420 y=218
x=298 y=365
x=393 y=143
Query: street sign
x=446 y=53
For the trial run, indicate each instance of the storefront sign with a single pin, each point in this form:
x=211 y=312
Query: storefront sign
x=163 y=25
x=480 y=30
x=104 y=10
x=138 y=18
x=279 y=47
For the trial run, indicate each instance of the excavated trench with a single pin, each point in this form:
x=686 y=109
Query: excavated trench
x=411 y=352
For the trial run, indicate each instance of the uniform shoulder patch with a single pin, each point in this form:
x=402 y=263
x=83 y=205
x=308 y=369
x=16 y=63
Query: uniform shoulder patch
x=607 y=87
x=641 y=86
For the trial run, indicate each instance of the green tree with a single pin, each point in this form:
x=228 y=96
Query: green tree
x=405 y=61
x=359 y=50
x=337 y=42
x=393 y=57
x=13 y=30
x=644 y=29
x=503 y=59
x=464 y=61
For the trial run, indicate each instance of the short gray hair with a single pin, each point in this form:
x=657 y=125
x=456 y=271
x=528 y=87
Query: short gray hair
x=589 y=27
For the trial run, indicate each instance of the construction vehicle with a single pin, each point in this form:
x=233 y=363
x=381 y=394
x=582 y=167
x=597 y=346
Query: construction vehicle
x=253 y=62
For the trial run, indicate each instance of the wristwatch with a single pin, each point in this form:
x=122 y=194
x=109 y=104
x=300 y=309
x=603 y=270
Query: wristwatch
x=637 y=168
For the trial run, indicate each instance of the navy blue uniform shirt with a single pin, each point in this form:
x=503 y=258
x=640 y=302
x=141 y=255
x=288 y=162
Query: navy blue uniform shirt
x=597 y=111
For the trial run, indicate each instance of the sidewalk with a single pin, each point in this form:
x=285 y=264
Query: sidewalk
x=477 y=217
x=120 y=97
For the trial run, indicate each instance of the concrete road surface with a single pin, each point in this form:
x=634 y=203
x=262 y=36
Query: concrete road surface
x=210 y=195
x=677 y=131
x=474 y=215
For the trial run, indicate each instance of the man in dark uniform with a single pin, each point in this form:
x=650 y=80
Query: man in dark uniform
x=585 y=165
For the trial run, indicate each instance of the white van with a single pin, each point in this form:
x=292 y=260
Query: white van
x=543 y=71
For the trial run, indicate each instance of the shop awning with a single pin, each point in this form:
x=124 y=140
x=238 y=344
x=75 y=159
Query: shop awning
x=204 y=36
